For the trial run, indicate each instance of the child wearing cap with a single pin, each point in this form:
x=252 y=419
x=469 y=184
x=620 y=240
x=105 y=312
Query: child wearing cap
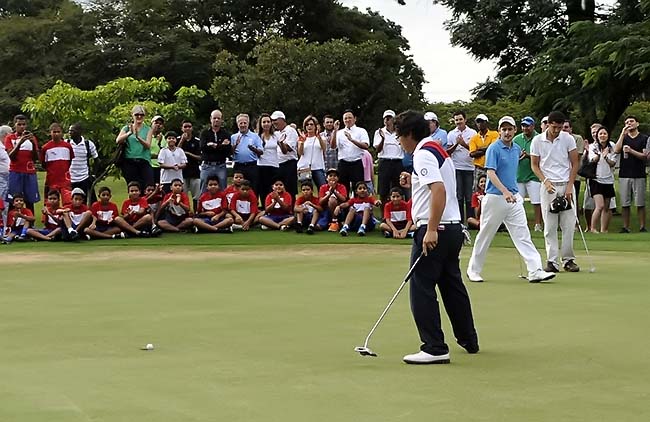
x=172 y=161
x=78 y=211
x=278 y=208
x=330 y=196
x=359 y=215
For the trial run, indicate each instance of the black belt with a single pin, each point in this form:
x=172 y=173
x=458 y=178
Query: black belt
x=214 y=163
x=250 y=163
x=390 y=159
x=350 y=162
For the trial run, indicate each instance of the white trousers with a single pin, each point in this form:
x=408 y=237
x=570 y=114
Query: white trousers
x=565 y=220
x=495 y=211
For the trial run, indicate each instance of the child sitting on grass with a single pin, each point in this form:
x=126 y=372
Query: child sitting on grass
x=237 y=179
x=359 y=211
x=154 y=195
x=19 y=219
x=278 y=208
x=107 y=223
x=212 y=211
x=244 y=208
x=55 y=221
x=78 y=212
x=307 y=209
x=174 y=213
x=397 y=216
x=330 y=196
x=136 y=210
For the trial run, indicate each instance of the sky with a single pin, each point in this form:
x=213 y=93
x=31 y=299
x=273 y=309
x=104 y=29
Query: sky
x=450 y=71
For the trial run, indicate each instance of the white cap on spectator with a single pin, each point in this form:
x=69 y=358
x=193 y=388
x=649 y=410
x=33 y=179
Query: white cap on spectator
x=277 y=114
x=545 y=119
x=507 y=119
x=431 y=116
x=482 y=117
x=387 y=113
x=157 y=117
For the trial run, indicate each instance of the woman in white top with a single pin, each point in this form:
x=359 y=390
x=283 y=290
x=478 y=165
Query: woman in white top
x=311 y=150
x=602 y=187
x=267 y=162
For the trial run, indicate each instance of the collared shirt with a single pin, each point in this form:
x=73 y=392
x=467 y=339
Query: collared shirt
x=440 y=135
x=331 y=154
x=79 y=168
x=289 y=136
x=218 y=153
x=482 y=141
x=193 y=146
x=524 y=170
x=391 y=150
x=431 y=164
x=554 y=156
x=170 y=158
x=347 y=150
x=604 y=172
x=504 y=160
x=243 y=154
x=460 y=156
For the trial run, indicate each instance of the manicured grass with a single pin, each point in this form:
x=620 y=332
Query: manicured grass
x=266 y=333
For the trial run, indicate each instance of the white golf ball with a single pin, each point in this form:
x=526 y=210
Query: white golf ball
x=149 y=346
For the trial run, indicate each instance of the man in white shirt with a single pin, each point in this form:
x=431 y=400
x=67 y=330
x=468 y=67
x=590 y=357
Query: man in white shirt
x=390 y=156
x=458 y=149
x=80 y=173
x=554 y=160
x=350 y=142
x=287 y=152
x=439 y=236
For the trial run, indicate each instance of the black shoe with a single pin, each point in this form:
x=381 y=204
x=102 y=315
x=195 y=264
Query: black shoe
x=551 y=267
x=643 y=230
x=144 y=233
x=156 y=231
x=310 y=229
x=299 y=228
x=470 y=347
x=571 y=266
x=624 y=230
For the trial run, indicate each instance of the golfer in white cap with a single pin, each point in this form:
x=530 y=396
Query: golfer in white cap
x=503 y=204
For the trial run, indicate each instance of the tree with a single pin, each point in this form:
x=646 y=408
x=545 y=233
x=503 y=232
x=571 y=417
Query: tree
x=300 y=78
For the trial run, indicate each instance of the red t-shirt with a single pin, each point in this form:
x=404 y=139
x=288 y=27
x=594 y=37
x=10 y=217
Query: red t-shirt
x=137 y=206
x=340 y=188
x=475 y=201
x=17 y=222
x=105 y=214
x=51 y=222
x=57 y=157
x=301 y=200
x=212 y=202
x=360 y=204
x=176 y=209
x=77 y=213
x=244 y=206
x=230 y=191
x=276 y=210
x=400 y=213
x=24 y=160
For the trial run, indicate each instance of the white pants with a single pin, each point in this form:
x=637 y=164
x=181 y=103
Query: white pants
x=495 y=211
x=565 y=220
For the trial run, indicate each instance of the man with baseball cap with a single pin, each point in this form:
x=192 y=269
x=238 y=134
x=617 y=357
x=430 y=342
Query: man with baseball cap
x=390 y=156
x=529 y=185
x=437 y=133
x=287 y=152
x=157 y=142
x=502 y=204
x=479 y=144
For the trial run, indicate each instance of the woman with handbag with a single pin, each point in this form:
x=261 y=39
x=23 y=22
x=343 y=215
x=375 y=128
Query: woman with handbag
x=601 y=187
x=311 y=150
x=268 y=162
x=135 y=162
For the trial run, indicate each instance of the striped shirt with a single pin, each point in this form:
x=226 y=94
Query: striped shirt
x=79 y=168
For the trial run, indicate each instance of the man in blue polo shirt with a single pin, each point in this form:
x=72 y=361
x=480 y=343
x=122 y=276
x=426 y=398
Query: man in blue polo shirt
x=502 y=204
x=246 y=148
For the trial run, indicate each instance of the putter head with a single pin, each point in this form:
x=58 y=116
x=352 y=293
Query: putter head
x=365 y=351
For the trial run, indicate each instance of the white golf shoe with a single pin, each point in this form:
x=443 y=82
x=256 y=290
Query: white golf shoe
x=424 y=358
x=475 y=277
x=539 y=276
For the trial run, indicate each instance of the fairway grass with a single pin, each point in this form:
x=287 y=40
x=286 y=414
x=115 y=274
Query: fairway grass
x=266 y=333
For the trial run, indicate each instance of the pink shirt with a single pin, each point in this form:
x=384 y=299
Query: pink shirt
x=368 y=166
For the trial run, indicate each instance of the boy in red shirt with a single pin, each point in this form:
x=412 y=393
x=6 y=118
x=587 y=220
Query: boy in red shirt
x=237 y=179
x=307 y=209
x=243 y=207
x=359 y=211
x=212 y=210
x=52 y=220
x=19 y=219
x=107 y=223
x=278 y=209
x=136 y=210
x=78 y=212
x=397 y=216
x=56 y=156
x=330 y=196
x=22 y=148
x=174 y=212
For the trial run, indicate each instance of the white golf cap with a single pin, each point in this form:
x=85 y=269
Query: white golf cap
x=545 y=119
x=277 y=114
x=507 y=119
x=156 y=118
x=388 y=113
x=431 y=116
x=482 y=117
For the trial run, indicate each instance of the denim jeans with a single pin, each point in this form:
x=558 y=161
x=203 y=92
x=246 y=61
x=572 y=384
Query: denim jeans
x=218 y=170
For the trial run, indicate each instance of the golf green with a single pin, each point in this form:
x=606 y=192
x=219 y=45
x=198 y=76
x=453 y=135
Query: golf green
x=266 y=333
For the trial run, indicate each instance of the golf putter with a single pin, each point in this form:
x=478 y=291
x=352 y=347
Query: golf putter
x=365 y=350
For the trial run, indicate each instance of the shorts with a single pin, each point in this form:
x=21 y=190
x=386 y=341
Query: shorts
x=103 y=227
x=45 y=232
x=399 y=225
x=325 y=218
x=588 y=201
x=25 y=183
x=632 y=186
x=277 y=218
x=606 y=190
x=174 y=220
x=531 y=189
x=208 y=220
x=306 y=218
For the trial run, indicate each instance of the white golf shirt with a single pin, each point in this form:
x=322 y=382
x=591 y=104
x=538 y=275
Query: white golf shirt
x=392 y=150
x=347 y=150
x=460 y=156
x=290 y=137
x=554 y=156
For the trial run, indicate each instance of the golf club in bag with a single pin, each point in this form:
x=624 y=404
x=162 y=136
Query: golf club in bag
x=365 y=350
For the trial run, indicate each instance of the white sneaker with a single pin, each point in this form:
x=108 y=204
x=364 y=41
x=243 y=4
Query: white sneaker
x=263 y=227
x=539 y=275
x=539 y=228
x=423 y=358
x=475 y=277
x=237 y=227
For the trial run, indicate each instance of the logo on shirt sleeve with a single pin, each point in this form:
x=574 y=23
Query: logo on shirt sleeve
x=424 y=172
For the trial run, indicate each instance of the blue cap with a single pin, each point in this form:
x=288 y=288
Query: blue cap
x=528 y=121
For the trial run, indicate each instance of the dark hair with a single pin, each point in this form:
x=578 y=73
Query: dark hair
x=629 y=116
x=214 y=178
x=83 y=195
x=186 y=121
x=597 y=132
x=259 y=126
x=17 y=195
x=177 y=180
x=245 y=184
x=349 y=110
x=359 y=184
x=53 y=192
x=19 y=117
x=133 y=183
x=150 y=185
x=78 y=126
x=412 y=123
x=328 y=116
x=104 y=189
x=397 y=190
x=568 y=121
x=237 y=171
x=171 y=134
x=303 y=184
x=556 y=117
x=461 y=113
